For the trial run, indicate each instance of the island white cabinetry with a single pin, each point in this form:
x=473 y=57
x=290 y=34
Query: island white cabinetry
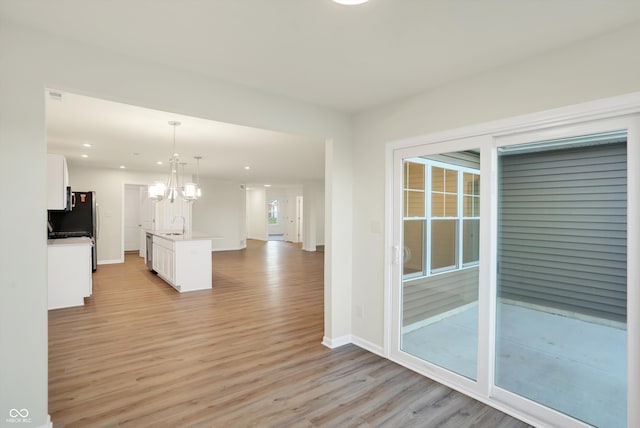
x=164 y=259
x=69 y=272
x=183 y=261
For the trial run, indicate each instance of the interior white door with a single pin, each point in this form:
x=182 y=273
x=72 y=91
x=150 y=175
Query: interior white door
x=131 y=218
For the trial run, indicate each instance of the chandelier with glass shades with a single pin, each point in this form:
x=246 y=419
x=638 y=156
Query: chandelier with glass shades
x=174 y=188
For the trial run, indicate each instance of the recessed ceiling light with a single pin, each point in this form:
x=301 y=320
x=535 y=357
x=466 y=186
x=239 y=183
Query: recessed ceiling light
x=122 y=167
x=247 y=168
x=85 y=156
x=350 y=2
x=159 y=162
x=267 y=185
x=86 y=145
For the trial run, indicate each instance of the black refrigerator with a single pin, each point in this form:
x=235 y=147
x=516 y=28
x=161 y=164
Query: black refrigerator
x=81 y=221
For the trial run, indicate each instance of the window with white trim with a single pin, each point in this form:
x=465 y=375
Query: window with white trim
x=441 y=217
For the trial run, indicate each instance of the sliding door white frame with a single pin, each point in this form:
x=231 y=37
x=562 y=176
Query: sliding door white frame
x=594 y=117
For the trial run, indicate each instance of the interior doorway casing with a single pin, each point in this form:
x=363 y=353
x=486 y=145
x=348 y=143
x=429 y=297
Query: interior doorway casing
x=145 y=210
x=132 y=218
x=590 y=118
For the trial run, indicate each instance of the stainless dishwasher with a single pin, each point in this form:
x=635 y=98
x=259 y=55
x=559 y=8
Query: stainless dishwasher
x=149 y=251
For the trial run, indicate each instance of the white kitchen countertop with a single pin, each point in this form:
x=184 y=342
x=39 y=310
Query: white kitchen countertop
x=172 y=235
x=69 y=241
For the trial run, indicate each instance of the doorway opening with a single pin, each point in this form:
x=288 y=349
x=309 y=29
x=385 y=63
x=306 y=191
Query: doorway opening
x=138 y=217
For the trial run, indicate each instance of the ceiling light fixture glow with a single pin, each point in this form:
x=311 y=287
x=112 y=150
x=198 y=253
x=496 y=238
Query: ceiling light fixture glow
x=85 y=156
x=86 y=145
x=350 y=2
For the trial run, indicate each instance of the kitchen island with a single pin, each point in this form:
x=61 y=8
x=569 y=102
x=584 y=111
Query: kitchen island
x=181 y=260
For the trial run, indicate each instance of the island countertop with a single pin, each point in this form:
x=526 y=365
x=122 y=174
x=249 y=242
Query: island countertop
x=176 y=236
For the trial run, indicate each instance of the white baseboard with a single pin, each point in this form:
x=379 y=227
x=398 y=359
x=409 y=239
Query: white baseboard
x=214 y=250
x=110 y=262
x=368 y=346
x=350 y=339
x=337 y=342
x=48 y=424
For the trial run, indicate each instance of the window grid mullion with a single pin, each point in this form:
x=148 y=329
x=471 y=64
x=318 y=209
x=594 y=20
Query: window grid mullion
x=427 y=210
x=459 y=237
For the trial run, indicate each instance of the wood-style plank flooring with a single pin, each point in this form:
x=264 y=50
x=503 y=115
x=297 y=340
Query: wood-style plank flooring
x=245 y=354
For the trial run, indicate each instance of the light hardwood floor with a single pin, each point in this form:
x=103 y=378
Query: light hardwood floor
x=245 y=354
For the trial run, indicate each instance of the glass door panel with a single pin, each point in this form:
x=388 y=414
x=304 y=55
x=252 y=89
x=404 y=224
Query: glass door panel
x=441 y=200
x=561 y=302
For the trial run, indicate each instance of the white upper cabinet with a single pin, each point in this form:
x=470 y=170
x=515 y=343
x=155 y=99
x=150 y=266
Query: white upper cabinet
x=57 y=182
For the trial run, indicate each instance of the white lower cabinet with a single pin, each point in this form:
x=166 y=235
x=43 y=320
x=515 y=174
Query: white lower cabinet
x=69 y=278
x=164 y=260
x=183 y=263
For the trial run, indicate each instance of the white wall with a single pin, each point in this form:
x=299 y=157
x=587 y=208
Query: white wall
x=32 y=61
x=257 y=213
x=602 y=67
x=221 y=212
x=23 y=255
x=313 y=193
x=109 y=187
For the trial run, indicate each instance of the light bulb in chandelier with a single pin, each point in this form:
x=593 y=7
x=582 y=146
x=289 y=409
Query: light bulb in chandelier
x=157 y=191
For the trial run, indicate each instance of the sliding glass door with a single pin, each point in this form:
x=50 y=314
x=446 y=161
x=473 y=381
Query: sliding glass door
x=510 y=277
x=562 y=272
x=441 y=215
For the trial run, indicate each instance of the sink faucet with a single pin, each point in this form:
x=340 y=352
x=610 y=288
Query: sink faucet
x=184 y=222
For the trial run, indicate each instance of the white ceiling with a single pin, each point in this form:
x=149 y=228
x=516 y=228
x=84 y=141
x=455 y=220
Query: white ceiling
x=137 y=138
x=348 y=58
x=345 y=57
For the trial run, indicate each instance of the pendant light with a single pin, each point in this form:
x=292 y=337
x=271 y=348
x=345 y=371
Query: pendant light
x=157 y=191
x=198 y=188
x=173 y=189
x=190 y=190
x=173 y=182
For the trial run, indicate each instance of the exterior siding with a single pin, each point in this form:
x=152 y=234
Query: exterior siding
x=563 y=229
x=427 y=297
